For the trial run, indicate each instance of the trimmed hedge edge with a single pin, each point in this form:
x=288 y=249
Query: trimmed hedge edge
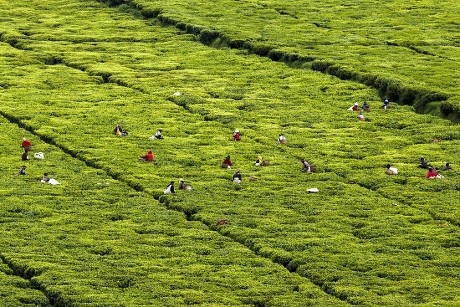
x=74 y=154
x=28 y=273
x=395 y=91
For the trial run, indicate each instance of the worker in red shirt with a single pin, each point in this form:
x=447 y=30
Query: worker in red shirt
x=431 y=173
x=26 y=144
x=227 y=163
x=148 y=157
x=236 y=135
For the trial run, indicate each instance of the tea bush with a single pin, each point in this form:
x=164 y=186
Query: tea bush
x=94 y=240
x=393 y=54
x=108 y=235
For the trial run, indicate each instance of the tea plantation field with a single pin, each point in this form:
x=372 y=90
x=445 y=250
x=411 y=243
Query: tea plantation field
x=408 y=50
x=108 y=236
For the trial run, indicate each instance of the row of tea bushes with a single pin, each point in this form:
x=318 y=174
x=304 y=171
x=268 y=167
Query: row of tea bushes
x=94 y=240
x=98 y=84
x=391 y=50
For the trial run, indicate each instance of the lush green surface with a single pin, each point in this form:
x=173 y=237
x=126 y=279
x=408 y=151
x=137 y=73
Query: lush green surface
x=71 y=70
x=410 y=44
x=94 y=240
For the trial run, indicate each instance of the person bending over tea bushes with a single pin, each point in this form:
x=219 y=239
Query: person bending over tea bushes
x=227 y=163
x=25 y=156
x=305 y=166
x=366 y=107
x=447 y=167
x=45 y=178
x=22 y=171
x=386 y=103
x=391 y=170
x=183 y=186
x=236 y=135
x=169 y=188
x=260 y=162
x=432 y=174
x=26 y=145
x=237 y=177
x=282 y=139
x=118 y=131
x=354 y=107
x=423 y=163
x=148 y=157
x=158 y=135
